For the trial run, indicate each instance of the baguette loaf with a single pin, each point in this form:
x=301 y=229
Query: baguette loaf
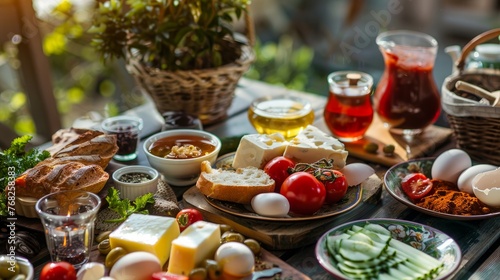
x=239 y=185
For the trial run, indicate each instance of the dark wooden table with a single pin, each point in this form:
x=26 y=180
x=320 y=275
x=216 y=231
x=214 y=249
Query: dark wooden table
x=478 y=240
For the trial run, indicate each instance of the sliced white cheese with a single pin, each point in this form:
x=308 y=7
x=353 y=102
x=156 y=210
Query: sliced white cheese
x=312 y=144
x=257 y=149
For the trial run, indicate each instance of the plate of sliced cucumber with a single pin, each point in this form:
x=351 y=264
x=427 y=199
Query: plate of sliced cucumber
x=387 y=249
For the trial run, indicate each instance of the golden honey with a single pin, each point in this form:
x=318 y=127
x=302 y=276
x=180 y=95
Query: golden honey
x=287 y=115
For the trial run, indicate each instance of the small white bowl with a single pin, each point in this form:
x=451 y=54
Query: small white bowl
x=25 y=206
x=486 y=187
x=132 y=190
x=25 y=266
x=181 y=172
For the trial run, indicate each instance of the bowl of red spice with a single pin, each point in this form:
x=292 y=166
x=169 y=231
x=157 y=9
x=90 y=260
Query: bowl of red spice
x=135 y=180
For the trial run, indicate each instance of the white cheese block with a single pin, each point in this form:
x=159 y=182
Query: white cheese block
x=196 y=243
x=257 y=149
x=148 y=233
x=312 y=144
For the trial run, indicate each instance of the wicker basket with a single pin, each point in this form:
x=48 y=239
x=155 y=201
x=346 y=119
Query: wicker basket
x=205 y=93
x=475 y=125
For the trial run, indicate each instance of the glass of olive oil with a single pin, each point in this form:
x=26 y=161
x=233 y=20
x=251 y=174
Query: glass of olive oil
x=285 y=114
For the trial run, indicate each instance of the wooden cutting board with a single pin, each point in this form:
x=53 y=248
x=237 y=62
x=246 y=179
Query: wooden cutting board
x=285 y=235
x=421 y=146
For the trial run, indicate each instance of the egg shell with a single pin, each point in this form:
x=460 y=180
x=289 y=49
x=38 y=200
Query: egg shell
x=356 y=173
x=270 y=205
x=464 y=182
x=235 y=259
x=486 y=187
x=450 y=164
x=135 y=266
x=91 y=271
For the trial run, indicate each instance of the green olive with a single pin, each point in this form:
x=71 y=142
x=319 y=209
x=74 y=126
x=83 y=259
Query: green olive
x=232 y=236
x=113 y=256
x=8 y=269
x=389 y=150
x=19 y=277
x=225 y=228
x=104 y=247
x=199 y=273
x=213 y=269
x=371 y=147
x=254 y=245
x=103 y=235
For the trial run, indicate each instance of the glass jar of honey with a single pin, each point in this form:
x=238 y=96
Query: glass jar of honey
x=285 y=114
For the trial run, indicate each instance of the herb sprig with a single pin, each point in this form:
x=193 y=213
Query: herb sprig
x=125 y=207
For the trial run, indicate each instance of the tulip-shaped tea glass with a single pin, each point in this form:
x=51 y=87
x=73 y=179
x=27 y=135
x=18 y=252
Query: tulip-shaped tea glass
x=407 y=99
x=68 y=220
x=349 y=112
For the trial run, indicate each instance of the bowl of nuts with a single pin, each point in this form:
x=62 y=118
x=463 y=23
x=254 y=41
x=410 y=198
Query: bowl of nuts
x=135 y=180
x=177 y=154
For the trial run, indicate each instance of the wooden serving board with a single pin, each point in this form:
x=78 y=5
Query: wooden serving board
x=279 y=235
x=423 y=144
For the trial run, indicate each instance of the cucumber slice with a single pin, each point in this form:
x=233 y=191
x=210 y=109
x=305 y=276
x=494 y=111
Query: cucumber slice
x=359 y=251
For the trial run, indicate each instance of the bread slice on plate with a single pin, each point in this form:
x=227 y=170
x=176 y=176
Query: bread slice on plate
x=239 y=185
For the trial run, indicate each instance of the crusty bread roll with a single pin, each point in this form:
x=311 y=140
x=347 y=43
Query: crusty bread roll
x=47 y=178
x=239 y=185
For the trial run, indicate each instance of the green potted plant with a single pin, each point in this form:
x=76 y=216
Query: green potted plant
x=185 y=54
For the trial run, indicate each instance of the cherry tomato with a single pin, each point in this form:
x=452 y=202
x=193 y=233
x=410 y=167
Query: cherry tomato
x=416 y=186
x=335 y=184
x=279 y=168
x=58 y=271
x=188 y=216
x=304 y=192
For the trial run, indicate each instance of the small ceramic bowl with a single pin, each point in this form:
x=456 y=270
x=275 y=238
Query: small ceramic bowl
x=137 y=184
x=179 y=171
x=25 y=267
x=486 y=187
x=25 y=206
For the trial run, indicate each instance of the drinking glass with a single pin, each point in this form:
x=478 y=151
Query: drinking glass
x=407 y=99
x=126 y=129
x=285 y=114
x=348 y=112
x=68 y=220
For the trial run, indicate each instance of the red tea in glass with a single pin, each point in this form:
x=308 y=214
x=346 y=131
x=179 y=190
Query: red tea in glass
x=407 y=98
x=349 y=112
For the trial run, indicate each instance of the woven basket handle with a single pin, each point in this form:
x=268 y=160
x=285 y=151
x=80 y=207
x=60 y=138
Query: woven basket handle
x=250 y=28
x=483 y=37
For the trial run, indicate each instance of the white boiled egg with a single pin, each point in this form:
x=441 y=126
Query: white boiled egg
x=450 y=164
x=270 y=204
x=235 y=259
x=356 y=173
x=464 y=182
x=91 y=271
x=135 y=266
x=486 y=187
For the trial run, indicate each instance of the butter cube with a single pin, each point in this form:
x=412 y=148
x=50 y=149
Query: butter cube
x=196 y=243
x=312 y=144
x=257 y=149
x=149 y=233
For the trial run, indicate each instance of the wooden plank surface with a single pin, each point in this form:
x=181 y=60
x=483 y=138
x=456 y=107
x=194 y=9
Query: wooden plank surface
x=285 y=235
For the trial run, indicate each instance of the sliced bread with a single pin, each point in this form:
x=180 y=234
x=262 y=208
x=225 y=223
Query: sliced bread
x=239 y=185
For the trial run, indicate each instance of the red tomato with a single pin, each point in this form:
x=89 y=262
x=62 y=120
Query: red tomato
x=416 y=186
x=279 y=168
x=335 y=184
x=304 y=192
x=58 y=271
x=188 y=216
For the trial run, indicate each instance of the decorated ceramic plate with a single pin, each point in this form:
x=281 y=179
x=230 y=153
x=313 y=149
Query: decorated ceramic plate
x=351 y=199
x=392 y=182
x=422 y=237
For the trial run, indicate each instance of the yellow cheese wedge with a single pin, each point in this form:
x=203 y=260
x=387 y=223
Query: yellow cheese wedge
x=149 y=233
x=196 y=243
